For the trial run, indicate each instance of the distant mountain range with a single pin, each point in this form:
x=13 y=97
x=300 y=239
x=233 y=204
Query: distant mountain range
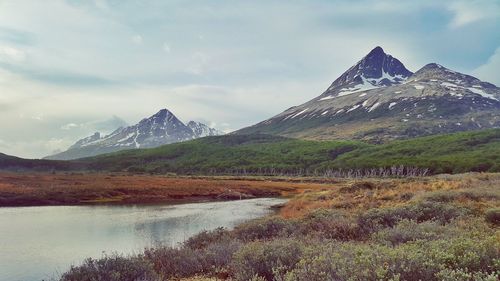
x=160 y=129
x=378 y=99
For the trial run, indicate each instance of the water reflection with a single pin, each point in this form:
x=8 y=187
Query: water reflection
x=35 y=242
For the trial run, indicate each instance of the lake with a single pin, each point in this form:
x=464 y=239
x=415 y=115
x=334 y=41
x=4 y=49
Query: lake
x=37 y=243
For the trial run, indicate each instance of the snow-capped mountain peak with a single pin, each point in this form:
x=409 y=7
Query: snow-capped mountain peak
x=378 y=99
x=376 y=69
x=201 y=130
x=159 y=129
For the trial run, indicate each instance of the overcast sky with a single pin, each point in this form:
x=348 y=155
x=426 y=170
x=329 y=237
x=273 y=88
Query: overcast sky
x=70 y=68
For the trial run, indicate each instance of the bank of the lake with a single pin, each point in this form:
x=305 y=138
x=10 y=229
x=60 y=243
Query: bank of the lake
x=47 y=189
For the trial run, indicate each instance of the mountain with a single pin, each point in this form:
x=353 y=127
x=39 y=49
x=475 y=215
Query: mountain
x=161 y=128
x=201 y=130
x=378 y=99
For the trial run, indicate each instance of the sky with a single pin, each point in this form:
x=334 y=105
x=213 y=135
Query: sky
x=69 y=68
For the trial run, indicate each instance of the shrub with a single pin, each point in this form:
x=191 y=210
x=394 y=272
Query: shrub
x=359 y=185
x=493 y=216
x=112 y=268
x=462 y=275
x=186 y=261
x=205 y=238
x=419 y=212
x=172 y=262
x=266 y=259
x=413 y=261
x=407 y=230
x=478 y=194
x=330 y=224
x=265 y=228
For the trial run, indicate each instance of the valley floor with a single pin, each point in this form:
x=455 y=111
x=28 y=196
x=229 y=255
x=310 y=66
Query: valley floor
x=444 y=227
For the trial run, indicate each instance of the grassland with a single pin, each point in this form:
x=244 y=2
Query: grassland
x=432 y=228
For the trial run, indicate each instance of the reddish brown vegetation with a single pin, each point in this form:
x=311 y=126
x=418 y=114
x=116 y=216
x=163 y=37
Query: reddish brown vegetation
x=29 y=189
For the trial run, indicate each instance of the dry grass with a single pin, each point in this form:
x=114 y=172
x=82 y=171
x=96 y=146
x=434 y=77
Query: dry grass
x=356 y=195
x=24 y=189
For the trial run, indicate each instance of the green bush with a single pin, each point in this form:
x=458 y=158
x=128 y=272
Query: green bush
x=406 y=231
x=265 y=228
x=412 y=261
x=330 y=224
x=205 y=238
x=422 y=211
x=111 y=268
x=461 y=275
x=268 y=259
x=185 y=261
x=493 y=216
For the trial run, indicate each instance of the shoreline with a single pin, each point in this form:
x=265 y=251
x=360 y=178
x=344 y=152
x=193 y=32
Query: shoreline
x=87 y=189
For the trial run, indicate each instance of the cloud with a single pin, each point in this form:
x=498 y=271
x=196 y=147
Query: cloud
x=489 y=71
x=233 y=63
x=470 y=11
x=137 y=39
x=166 y=47
x=8 y=54
x=69 y=126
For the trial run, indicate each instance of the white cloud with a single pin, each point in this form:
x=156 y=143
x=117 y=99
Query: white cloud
x=470 y=11
x=137 y=39
x=9 y=54
x=489 y=71
x=233 y=63
x=166 y=48
x=69 y=126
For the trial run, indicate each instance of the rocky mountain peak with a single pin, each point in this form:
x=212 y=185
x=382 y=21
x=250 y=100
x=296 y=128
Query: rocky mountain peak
x=376 y=69
x=201 y=130
x=161 y=128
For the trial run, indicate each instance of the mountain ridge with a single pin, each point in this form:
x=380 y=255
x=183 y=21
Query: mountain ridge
x=357 y=106
x=161 y=128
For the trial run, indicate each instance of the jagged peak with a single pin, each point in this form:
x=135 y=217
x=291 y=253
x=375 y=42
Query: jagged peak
x=376 y=69
x=162 y=113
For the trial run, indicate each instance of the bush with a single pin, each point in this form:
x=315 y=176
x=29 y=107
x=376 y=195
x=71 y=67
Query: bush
x=330 y=224
x=443 y=213
x=406 y=231
x=205 y=238
x=171 y=262
x=493 y=216
x=478 y=194
x=461 y=275
x=186 y=261
x=112 y=268
x=266 y=259
x=265 y=228
x=413 y=261
x=358 y=186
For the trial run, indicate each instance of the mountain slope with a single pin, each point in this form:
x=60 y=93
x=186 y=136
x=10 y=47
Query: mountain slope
x=271 y=155
x=161 y=128
x=260 y=154
x=377 y=101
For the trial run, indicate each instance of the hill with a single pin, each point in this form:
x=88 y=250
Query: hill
x=275 y=155
x=265 y=154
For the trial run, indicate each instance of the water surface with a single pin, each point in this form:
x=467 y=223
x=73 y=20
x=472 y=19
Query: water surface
x=38 y=242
